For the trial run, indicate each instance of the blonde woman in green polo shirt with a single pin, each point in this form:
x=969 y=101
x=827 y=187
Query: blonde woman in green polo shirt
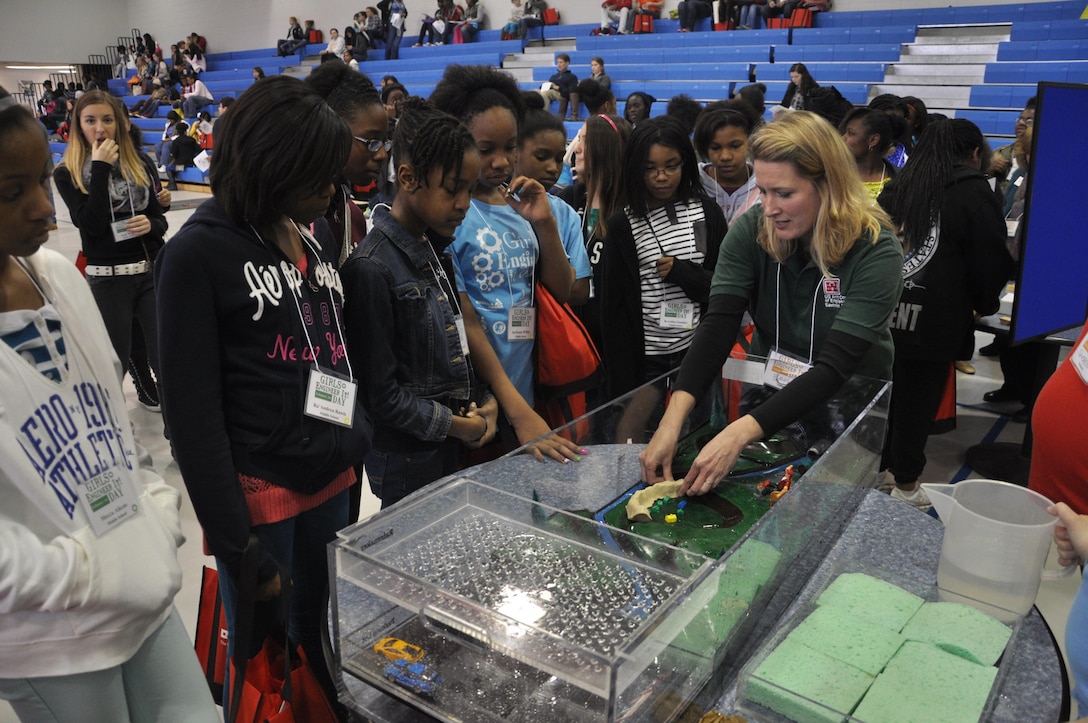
x=820 y=271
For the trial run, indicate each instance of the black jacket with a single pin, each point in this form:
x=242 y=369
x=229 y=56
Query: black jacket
x=90 y=213
x=235 y=364
x=955 y=273
x=621 y=297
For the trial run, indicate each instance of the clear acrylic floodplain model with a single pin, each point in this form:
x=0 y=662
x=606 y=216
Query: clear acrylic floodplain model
x=521 y=590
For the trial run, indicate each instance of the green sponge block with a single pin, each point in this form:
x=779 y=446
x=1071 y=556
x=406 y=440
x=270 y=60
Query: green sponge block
x=872 y=599
x=805 y=685
x=961 y=630
x=746 y=571
x=840 y=634
x=924 y=684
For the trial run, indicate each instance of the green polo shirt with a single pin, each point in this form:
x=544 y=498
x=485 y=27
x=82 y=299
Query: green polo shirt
x=858 y=298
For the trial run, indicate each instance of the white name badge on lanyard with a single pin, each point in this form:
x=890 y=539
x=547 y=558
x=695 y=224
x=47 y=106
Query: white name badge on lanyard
x=121 y=232
x=676 y=314
x=1080 y=360
x=330 y=397
x=522 y=324
x=782 y=369
x=462 y=335
x=109 y=499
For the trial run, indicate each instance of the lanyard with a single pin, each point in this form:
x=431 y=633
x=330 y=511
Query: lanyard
x=778 y=312
x=298 y=307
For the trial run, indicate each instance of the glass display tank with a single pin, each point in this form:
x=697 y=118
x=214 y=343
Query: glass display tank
x=519 y=589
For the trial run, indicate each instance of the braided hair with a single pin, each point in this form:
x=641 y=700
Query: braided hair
x=427 y=138
x=920 y=186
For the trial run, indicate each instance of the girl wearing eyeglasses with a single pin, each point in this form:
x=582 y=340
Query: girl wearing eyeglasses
x=658 y=263
x=357 y=102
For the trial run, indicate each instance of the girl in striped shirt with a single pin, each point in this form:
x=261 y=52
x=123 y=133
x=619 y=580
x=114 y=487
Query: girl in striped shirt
x=659 y=260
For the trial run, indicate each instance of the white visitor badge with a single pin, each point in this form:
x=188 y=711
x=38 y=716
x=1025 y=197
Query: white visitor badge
x=1080 y=360
x=782 y=369
x=330 y=397
x=522 y=324
x=121 y=232
x=462 y=335
x=676 y=314
x=108 y=499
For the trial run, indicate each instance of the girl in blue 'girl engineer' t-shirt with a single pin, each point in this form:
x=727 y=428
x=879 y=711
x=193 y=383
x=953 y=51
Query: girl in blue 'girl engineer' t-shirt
x=507 y=244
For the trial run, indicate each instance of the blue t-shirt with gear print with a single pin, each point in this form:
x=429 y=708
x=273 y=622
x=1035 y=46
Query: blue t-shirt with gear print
x=495 y=253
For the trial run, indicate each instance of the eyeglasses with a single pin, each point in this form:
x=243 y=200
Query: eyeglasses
x=374 y=146
x=670 y=170
x=1025 y=121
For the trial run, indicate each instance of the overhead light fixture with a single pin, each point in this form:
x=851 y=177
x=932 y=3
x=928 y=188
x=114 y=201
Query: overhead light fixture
x=41 y=67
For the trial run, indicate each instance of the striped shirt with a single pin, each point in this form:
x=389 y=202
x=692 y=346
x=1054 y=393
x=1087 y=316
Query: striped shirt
x=667 y=231
x=35 y=335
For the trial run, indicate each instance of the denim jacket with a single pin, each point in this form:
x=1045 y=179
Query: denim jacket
x=400 y=322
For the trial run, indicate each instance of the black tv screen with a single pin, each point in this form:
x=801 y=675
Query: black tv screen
x=1052 y=274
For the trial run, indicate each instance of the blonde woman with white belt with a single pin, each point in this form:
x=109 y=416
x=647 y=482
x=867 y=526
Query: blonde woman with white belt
x=110 y=194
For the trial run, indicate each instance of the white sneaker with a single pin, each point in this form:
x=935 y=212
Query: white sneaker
x=885 y=482
x=162 y=169
x=916 y=498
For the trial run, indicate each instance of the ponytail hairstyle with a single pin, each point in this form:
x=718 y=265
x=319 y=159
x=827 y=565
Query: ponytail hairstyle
x=920 y=187
x=346 y=91
x=78 y=151
x=537 y=119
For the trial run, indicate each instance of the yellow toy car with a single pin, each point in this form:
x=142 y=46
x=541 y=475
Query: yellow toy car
x=397 y=649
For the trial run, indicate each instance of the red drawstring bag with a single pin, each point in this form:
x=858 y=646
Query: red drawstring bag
x=567 y=364
x=211 y=634
x=277 y=685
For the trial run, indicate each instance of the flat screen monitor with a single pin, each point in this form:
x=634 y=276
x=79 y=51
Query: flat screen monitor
x=1052 y=274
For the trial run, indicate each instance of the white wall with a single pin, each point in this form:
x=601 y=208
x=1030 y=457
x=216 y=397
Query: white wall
x=67 y=31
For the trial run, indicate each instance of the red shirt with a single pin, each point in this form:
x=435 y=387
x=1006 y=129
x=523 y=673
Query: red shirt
x=1059 y=464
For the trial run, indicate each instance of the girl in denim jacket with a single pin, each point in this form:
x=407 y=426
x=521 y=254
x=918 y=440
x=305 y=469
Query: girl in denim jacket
x=403 y=307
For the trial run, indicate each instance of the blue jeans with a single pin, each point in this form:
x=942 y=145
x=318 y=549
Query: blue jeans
x=162 y=681
x=300 y=545
x=395 y=474
x=392 y=43
x=191 y=105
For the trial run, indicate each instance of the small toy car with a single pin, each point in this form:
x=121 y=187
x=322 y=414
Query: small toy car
x=397 y=649
x=419 y=678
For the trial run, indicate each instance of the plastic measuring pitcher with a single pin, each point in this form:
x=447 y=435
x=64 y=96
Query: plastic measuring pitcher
x=996 y=539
